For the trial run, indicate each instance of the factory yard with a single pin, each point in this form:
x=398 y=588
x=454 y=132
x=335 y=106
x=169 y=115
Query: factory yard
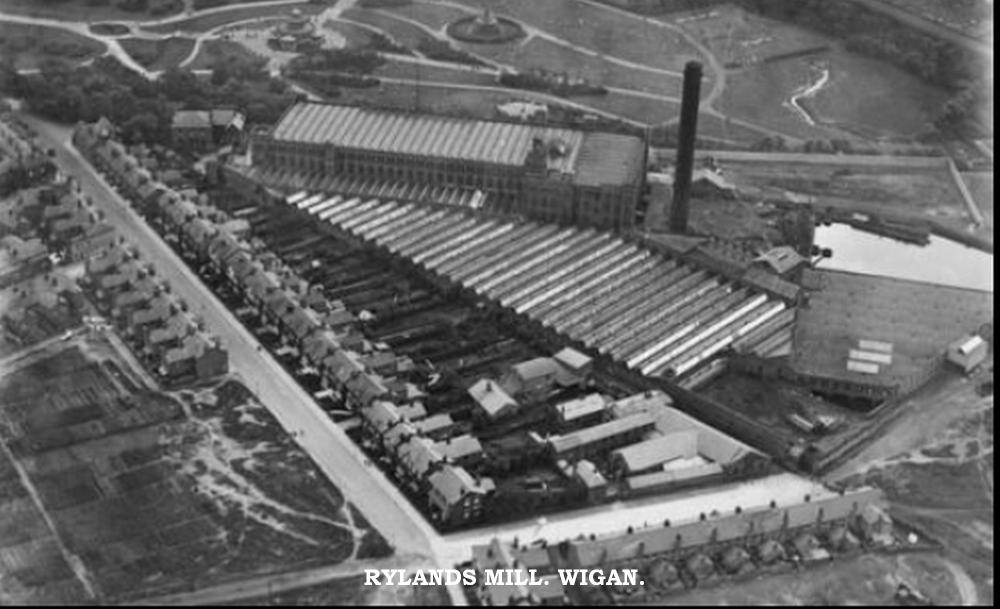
x=907 y=189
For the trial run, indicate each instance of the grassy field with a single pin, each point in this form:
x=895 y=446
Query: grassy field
x=205 y=23
x=736 y=36
x=356 y=36
x=161 y=493
x=214 y=52
x=399 y=69
x=879 y=98
x=158 y=54
x=30 y=45
x=599 y=29
x=864 y=98
x=406 y=34
x=436 y=16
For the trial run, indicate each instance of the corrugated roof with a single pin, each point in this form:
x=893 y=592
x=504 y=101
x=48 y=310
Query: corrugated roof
x=645 y=455
x=422 y=135
x=589 y=435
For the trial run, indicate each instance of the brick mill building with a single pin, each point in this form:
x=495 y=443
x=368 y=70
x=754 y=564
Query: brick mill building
x=549 y=174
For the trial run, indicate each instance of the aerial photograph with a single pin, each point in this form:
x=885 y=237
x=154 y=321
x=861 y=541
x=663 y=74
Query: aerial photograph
x=496 y=302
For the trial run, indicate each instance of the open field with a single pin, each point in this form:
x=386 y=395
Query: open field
x=204 y=23
x=91 y=10
x=355 y=35
x=598 y=29
x=875 y=97
x=404 y=33
x=401 y=69
x=736 y=36
x=863 y=97
x=158 y=54
x=865 y=580
x=434 y=15
x=160 y=493
x=31 y=45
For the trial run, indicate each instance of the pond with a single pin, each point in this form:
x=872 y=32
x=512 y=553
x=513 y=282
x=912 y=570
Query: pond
x=942 y=262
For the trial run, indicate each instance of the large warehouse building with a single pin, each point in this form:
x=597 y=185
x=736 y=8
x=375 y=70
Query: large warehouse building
x=551 y=174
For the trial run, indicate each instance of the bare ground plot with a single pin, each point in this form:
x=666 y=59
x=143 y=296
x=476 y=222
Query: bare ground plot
x=894 y=190
x=32 y=568
x=158 y=54
x=771 y=401
x=31 y=45
x=866 y=580
x=203 y=23
x=159 y=494
x=599 y=29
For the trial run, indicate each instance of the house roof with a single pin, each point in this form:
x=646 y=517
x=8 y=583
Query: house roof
x=596 y=433
x=452 y=483
x=587 y=405
x=460 y=447
x=434 y=423
x=491 y=397
x=586 y=472
x=781 y=259
x=657 y=451
x=381 y=415
x=418 y=455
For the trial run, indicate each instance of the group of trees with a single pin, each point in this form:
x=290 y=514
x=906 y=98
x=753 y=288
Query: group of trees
x=143 y=109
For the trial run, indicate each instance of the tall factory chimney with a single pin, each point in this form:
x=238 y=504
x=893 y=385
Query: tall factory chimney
x=685 y=147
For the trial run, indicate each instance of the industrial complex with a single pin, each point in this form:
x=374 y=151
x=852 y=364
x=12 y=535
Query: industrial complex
x=265 y=359
x=500 y=363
